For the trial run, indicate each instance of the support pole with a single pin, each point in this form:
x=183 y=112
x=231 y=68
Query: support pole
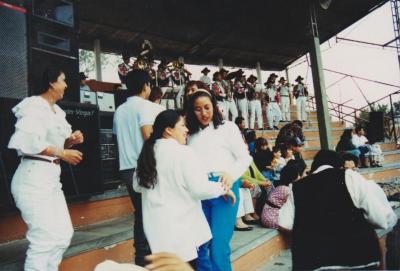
x=220 y=63
x=259 y=75
x=97 y=59
x=324 y=121
x=287 y=75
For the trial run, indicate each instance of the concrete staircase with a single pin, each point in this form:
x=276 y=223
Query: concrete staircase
x=104 y=223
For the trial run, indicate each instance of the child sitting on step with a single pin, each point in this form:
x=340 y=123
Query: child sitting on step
x=375 y=155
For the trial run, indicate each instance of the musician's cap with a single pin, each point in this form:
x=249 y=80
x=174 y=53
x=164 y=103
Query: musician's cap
x=299 y=79
x=222 y=70
x=273 y=75
x=282 y=80
x=82 y=76
x=252 y=78
x=205 y=70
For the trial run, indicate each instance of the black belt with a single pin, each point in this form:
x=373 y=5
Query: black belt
x=55 y=161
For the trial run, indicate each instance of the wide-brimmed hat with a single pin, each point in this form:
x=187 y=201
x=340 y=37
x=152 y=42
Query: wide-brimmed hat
x=282 y=79
x=126 y=54
x=252 y=78
x=222 y=70
x=82 y=76
x=273 y=75
x=205 y=70
x=299 y=78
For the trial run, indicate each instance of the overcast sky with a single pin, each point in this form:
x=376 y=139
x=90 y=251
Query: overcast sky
x=371 y=62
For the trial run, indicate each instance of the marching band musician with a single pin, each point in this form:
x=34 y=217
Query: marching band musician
x=124 y=68
x=240 y=90
x=284 y=92
x=301 y=93
x=254 y=102
x=164 y=82
x=230 y=104
x=179 y=77
x=205 y=78
x=273 y=111
x=220 y=94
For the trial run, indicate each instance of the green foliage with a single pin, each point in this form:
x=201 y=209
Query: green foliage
x=87 y=61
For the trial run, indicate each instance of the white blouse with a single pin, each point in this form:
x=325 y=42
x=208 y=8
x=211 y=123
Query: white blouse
x=38 y=127
x=173 y=219
x=366 y=195
x=221 y=149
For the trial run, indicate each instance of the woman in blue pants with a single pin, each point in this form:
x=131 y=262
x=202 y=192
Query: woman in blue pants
x=219 y=145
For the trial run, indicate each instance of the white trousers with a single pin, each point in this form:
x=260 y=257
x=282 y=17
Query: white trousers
x=273 y=114
x=36 y=189
x=245 y=202
x=231 y=108
x=301 y=108
x=243 y=106
x=222 y=107
x=285 y=108
x=167 y=103
x=179 y=96
x=255 y=109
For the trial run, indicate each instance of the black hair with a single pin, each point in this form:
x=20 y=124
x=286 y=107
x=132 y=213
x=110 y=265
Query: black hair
x=326 y=157
x=192 y=122
x=146 y=166
x=239 y=120
x=347 y=134
x=298 y=123
x=250 y=135
x=289 y=174
x=357 y=129
x=260 y=142
x=50 y=75
x=155 y=94
x=350 y=157
x=276 y=149
x=135 y=81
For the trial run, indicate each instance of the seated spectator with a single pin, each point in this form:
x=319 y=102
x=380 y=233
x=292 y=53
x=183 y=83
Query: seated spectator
x=332 y=214
x=287 y=153
x=278 y=196
x=262 y=155
x=297 y=148
x=250 y=137
x=262 y=185
x=361 y=143
x=345 y=144
x=350 y=161
x=277 y=163
x=376 y=157
x=239 y=121
x=246 y=207
x=290 y=131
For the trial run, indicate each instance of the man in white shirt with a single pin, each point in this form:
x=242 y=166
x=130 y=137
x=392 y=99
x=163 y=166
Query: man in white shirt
x=335 y=210
x=133 y=124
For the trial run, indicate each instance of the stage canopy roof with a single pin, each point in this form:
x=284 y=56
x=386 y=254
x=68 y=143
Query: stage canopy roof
x=272 y=32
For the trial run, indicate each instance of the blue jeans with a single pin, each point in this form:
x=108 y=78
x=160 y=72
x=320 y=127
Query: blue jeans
x=221 y=216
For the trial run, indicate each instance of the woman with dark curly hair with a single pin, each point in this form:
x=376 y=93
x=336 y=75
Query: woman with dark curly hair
x=220 y=146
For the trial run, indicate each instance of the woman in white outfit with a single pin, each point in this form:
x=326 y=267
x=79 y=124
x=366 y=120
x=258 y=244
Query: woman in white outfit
x=173 y=182
x=42 y=138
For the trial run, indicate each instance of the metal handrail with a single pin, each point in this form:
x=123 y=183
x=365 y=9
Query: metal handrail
x=336 y=110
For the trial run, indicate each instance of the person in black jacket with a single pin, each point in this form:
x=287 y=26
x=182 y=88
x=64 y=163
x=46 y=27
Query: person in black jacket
x=345 y=145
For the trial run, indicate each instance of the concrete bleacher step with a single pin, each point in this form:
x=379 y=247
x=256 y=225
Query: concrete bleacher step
x=308 y=132
x=114 y=240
